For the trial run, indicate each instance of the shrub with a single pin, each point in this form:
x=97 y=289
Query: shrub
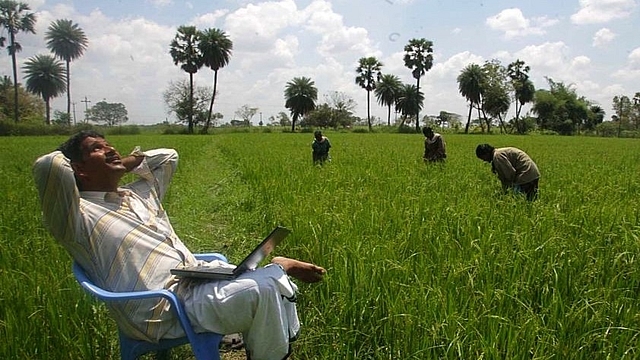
x=407 y=129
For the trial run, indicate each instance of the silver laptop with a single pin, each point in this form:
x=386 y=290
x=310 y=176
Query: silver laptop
x=250 y=262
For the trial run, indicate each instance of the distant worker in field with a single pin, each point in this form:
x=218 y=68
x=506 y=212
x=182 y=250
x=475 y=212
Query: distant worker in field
x=320 y=147
x=514 y=168
x=434 y=146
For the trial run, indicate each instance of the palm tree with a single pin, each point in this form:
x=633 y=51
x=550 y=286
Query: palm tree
x=597 y=115
x=300 y=98
x=387 y=91
x=470 y=84
x=368 y=74
x=418 y=58
x=14 y=18
x=184 y=51
x=45 y=76
x=215 y=47
x=409 y=101
x=68 y=42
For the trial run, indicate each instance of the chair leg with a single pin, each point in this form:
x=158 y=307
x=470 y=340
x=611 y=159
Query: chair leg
x=163 y=355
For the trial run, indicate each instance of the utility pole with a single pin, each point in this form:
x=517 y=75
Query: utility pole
x=74 y=112
x=86 y=107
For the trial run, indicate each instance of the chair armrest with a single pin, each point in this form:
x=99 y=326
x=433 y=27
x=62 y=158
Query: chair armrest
x=106 y=295
x=211 y=257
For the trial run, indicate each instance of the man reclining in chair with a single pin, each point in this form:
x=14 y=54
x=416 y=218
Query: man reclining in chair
x=124 y=240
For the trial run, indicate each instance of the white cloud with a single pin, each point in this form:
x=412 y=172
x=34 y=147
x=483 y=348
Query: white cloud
x=453 y=65
x=553 y=60
x=613 y=90
x=579 y=68
x=256 y=26
x=603 y=37
x=580 y=62
x=34 y=4
x=336 y=38
x=602 y=11
x=634 y=58
x=513 y=23
x=210 y=19
x=549 y=56
x=286 y=49
x=631 y=71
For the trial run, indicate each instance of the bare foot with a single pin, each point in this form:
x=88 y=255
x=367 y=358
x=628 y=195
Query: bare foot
x=303 y=271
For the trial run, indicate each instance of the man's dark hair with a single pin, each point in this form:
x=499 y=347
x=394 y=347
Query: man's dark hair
x=317 y=133
x=72 y=149
x=484 y=149
x=427 y=129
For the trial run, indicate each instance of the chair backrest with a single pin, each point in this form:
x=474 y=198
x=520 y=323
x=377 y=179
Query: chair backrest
x=201 y=344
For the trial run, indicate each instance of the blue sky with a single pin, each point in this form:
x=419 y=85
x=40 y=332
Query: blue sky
x=591 y=44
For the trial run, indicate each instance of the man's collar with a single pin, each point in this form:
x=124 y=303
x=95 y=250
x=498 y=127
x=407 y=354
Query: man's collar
x=108 y=196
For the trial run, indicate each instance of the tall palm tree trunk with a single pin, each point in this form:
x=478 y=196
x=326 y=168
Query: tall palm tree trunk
x=369 y=110
x=516 y=123
x=215 y=86
x=503 y=130
x=389 y=117
x=418 y=109
x=68 y=95
x=190 y=125
x=15 y=79
x=466 y=128
x=48 y=109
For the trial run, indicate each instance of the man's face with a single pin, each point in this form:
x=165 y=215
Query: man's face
x=485 y=157
x=429 y=135
x=100 y=161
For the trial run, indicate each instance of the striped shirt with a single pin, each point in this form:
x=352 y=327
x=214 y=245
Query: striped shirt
x=123 y=239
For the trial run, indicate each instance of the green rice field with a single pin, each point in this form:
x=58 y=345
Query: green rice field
x=424 y=261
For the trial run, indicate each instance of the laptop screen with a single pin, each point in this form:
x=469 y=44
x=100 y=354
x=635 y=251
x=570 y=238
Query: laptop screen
x=263 y=250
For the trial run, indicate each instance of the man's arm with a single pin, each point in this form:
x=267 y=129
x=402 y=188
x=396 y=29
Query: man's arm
x=156 y=165
x=132 y=161
x=426 y=151
x=59 y=196
x=506 y=172
x=441 y=147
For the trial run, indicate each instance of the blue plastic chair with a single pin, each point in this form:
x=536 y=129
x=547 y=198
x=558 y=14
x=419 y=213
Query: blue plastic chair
x=204 y=345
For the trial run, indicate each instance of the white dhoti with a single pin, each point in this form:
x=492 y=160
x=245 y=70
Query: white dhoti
x=259 y=304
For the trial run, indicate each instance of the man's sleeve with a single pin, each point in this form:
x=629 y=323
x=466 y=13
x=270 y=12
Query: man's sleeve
x=426 y=151
x=158 y=166
x=505 y=170
x=443 y=146
x=59 y=195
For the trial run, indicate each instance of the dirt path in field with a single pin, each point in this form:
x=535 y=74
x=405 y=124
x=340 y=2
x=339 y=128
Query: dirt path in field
x=233 y=355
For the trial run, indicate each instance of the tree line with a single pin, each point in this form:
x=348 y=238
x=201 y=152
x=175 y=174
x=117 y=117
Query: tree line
x=490 y=88
x=46 y=75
